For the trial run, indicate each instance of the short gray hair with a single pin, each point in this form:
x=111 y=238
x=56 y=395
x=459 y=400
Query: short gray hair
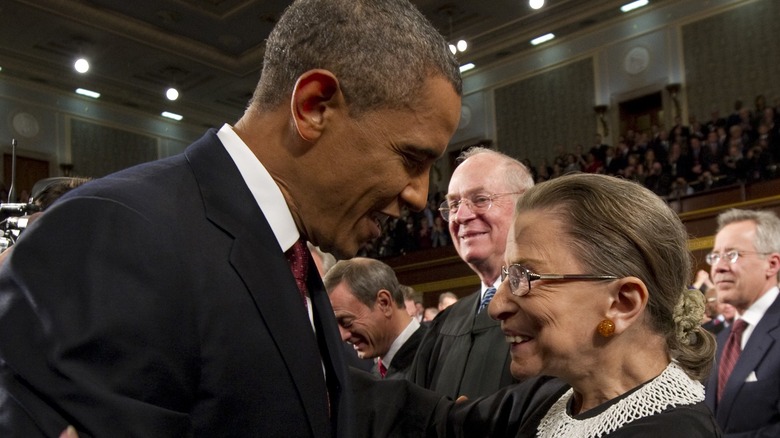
x=364 y=277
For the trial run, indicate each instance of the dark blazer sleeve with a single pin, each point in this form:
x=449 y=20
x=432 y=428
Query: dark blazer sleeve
x=395 y=407
x=73 y=355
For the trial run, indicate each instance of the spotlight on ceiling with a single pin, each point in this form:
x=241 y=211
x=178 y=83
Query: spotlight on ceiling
x=172 y=93
x=460 y=46
x=634 y=5
x=536 y=4
x=542 y=39
x=81 y=65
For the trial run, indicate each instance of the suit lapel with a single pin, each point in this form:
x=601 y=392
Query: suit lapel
x=761 y=340
x=261 y=264
x=330 y=347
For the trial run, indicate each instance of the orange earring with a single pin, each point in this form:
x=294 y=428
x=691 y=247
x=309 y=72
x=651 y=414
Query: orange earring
x=606 y=328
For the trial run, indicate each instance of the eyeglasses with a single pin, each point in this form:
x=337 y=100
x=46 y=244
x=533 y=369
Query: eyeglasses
x=520 y=278
x=478 y=204
x=732 y=256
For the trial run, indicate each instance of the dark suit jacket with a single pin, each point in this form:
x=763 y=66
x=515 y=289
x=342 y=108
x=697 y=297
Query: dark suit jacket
x=402 y=361
x=751 y=409
x=463 y=353
x=156 y=302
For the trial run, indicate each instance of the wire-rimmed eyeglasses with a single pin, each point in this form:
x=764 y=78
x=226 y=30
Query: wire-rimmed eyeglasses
x=732 y=256
x=520 y=278
x=478 y=204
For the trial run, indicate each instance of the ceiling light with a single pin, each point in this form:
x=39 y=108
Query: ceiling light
x=536 y=4
x=467 y=67
x=172 y=93
x=634 y=5
x=462 y=45
x=81 y=65
x=453 y=49
x=88 y=93
x=170 y=115
x=542 y=39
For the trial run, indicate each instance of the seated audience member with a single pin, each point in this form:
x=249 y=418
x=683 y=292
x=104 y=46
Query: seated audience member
x=744 y=388
x=413 y=302
x=369 y=308
x=603 y=308
x=430 y=314
x=446 y=299
x=722 y=316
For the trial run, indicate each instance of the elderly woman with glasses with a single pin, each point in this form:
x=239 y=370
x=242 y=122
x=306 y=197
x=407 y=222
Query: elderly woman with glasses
x=599 y=320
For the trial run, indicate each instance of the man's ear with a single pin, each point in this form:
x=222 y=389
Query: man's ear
x=774 y=265
x=315 y=92
x=385 y=302
x=629 y=301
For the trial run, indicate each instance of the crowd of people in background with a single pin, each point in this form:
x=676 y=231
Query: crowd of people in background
x=742 y=147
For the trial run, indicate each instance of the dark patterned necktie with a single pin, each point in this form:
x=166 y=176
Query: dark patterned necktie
x=489 y=292
x=298 y=257
x=730 y=355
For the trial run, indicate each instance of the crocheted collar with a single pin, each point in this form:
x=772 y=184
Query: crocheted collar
x=671 y=388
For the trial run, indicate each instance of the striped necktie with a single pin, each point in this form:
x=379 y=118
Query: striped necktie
x=730 y=354
x=489 y=292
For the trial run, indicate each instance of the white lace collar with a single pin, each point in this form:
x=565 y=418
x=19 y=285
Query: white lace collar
x=672 y=388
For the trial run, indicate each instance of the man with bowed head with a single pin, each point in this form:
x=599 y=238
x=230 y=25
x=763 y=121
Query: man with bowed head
x=464 y=352
x=369 y=308
x=169 y=306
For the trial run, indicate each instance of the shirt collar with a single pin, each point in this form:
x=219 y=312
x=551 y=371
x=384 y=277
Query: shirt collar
x=756 y=311
x=400 y=341
x=263 y=187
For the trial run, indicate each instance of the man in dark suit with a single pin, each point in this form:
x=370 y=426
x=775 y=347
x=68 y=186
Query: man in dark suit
x=371 y=315
x=159 y=301
x=465 y=352
x=744 y=387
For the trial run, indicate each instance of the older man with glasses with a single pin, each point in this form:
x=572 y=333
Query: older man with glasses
x=744 y=387
x=464 y=351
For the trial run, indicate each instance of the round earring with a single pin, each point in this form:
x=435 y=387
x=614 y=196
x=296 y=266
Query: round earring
x=606 y=328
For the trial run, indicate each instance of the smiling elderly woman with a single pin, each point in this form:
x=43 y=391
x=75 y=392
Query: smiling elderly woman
x=595 y=298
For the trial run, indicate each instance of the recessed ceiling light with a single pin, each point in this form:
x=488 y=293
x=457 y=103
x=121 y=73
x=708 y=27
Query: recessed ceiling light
x=542 y=39
x=172 y=93
x=170 y=115
x=462 y=45
x=634 y=5
x=536 y=4
x=467 y=67
x=88 y=93
x=81 y=65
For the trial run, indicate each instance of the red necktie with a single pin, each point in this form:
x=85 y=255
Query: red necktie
x=731 y=352
x=382 y=368
x=298 y=257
